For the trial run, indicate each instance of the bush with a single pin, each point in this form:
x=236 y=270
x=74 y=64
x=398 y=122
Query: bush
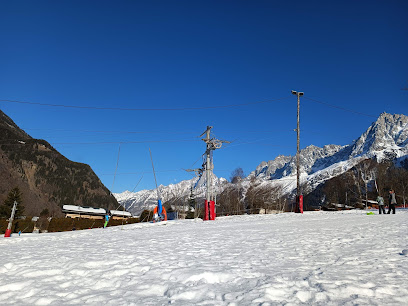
x=59 y=224
x=25 y=226
x=68 y=224
x=132 y=220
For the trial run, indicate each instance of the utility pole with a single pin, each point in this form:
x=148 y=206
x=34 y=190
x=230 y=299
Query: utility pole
x=208 y=167
x=212 y=144
x=299 y=197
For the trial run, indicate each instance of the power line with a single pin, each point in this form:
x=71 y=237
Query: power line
x=160 y=171
x=123 y=142
x=107 y=132
x=233 y=144
x=112 y=174
x=339 y=107
x=138 y=183
x=116 y=169
x=170 y=132
x=98 y=142
x=141 y=172
x=126 y=173
x=143 y=109
x=146 y=132
x=323 y=134
x=178 y=109
x=201 y=157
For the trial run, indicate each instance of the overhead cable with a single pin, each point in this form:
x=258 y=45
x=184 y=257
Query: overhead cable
x=339 y=107
x=98 y=142
x=143 y=109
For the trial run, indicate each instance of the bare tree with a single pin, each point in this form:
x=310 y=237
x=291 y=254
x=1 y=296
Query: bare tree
x=229 y=201
x=367 y=174
x=398 y=178
x=264 y=197
x=381 y=177
x=237 y=175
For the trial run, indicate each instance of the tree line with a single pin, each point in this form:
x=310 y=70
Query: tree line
x=352 y=189
x=365 y=181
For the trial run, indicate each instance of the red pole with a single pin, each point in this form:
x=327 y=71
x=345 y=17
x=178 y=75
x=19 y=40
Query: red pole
x=10 y=224
x=205 y=210
x=8 y=233
x=299 y=204
x=212 y=210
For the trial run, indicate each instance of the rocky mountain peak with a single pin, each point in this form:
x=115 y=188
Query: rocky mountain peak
x=389 y=132
x=386 y=138
x=10 y=130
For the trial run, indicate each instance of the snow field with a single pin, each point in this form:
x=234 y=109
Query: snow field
x=320 y=258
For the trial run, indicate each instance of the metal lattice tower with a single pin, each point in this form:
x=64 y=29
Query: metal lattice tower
x=212 y=144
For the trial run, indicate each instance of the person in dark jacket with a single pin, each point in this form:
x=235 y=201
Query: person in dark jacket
x=380 y=201
x=392 y=202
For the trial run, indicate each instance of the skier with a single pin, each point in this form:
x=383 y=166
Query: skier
x=392 y=202
x=106 y=220
x=380 y=201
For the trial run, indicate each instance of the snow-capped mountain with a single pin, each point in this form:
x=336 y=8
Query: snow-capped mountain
x=386 y=138
x=136 y=202
x=312 y=158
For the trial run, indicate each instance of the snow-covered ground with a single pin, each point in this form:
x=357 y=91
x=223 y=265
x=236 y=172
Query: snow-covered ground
x=320 y=258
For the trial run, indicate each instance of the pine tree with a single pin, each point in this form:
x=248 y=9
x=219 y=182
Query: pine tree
x=5 y=209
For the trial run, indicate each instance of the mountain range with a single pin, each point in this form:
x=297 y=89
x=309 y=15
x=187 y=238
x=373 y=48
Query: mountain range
x=385 y=139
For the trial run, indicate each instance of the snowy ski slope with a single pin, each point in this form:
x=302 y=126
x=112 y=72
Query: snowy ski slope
x=319 y=258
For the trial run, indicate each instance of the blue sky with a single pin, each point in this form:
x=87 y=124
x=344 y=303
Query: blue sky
x=191 y=54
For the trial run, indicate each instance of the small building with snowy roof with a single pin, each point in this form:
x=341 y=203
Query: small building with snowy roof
x=120 y=214
x=72 y=211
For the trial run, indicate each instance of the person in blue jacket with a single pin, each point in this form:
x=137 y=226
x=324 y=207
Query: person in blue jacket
x=106 y=221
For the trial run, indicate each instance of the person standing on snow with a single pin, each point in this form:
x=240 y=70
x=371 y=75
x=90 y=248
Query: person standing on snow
x=380 y=201
x=392 y=202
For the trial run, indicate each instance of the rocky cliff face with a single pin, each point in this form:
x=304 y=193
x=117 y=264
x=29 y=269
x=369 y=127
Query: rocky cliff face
x=387 y=138
x=312 y=159
x=46 y=178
